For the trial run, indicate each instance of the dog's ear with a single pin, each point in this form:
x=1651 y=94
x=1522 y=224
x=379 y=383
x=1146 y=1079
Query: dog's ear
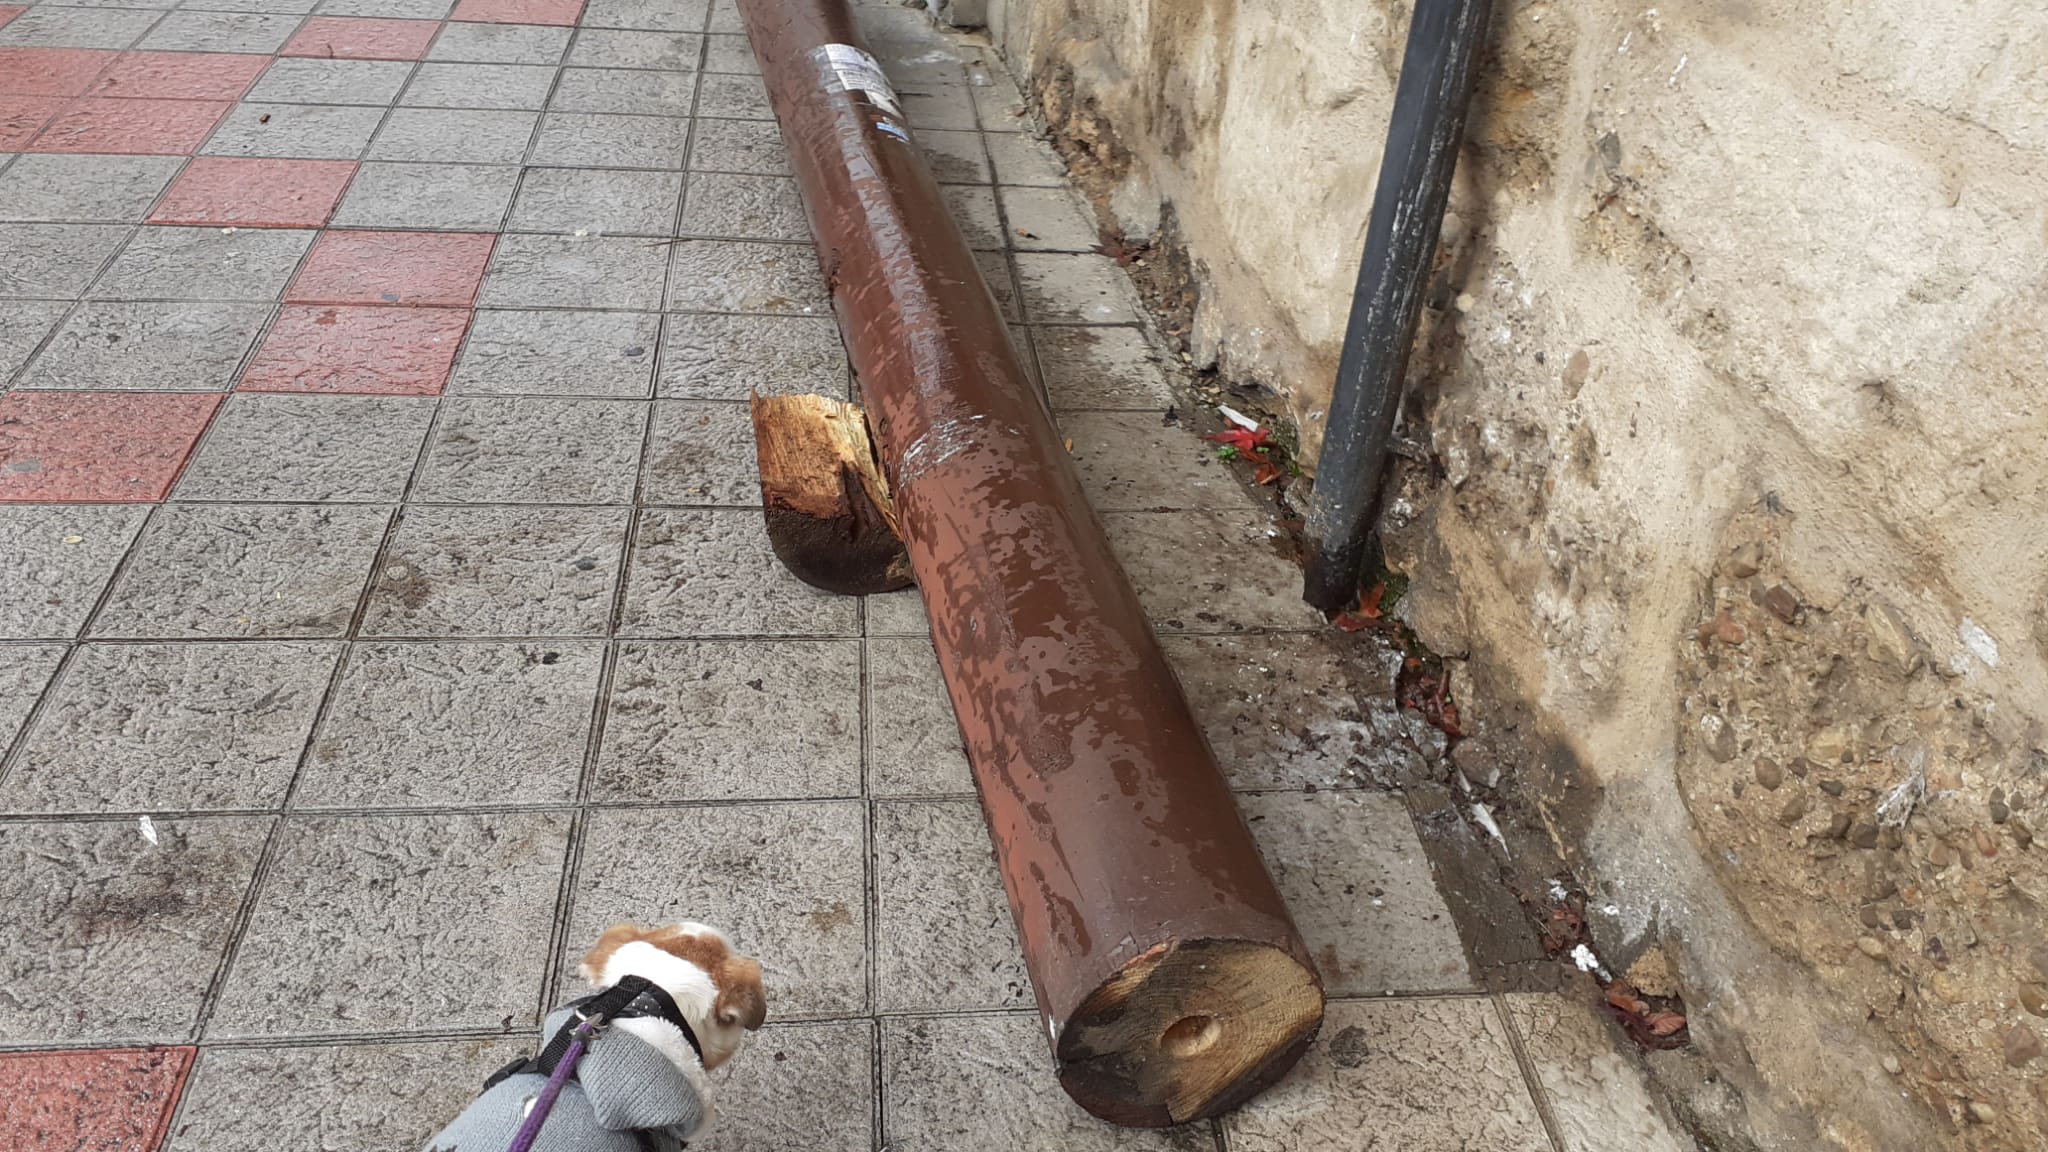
x=741 y=999
x=614 y=938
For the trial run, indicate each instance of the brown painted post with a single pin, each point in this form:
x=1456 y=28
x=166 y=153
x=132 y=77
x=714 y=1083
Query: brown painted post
x=1172 y=982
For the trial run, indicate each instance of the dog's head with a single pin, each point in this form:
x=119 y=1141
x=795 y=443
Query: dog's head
x=718 y=990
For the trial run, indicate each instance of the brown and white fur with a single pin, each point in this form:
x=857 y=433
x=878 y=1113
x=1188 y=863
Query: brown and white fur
x=717 y=990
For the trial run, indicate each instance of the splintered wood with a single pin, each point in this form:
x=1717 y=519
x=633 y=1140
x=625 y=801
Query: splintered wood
x=830 y=519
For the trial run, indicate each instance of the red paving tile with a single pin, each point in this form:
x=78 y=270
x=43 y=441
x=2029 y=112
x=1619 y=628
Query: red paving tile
x=181 y=75
x=104 y=1100
x=131 y=127
x=73 y=447
x=351 y=38
x=21 y=117
x=563 y=12
x=440 y=269
x=396 y=351
x=255 y=193
x=9 y=12
x=50 y=71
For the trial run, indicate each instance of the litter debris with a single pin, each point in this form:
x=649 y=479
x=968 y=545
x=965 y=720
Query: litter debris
x=1586 y=961
x=1481 y=814
x=148 y=827
x=74 y=539
x=1238 y=418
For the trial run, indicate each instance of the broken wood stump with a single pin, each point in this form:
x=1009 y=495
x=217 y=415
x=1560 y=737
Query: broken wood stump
x=830 y=518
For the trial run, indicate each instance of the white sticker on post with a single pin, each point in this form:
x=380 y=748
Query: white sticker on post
x=855 y=71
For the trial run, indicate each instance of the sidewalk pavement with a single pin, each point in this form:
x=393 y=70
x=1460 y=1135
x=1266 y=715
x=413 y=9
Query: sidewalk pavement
x=386 y=610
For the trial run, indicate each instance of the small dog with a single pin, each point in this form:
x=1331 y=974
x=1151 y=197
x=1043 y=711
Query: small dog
x=642 y=1082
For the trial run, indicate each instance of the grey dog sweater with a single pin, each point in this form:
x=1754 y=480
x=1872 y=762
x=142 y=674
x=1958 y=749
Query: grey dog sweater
x=625 y=1096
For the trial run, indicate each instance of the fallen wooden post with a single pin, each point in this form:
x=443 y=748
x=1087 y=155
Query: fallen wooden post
x=1172 y=982
x=829 y=515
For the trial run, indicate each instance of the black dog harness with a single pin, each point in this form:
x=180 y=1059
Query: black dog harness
x=631 y=998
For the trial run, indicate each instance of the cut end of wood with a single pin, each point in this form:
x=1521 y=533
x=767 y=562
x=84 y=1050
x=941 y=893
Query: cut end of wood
x=830 y=516
x=1188 y=1031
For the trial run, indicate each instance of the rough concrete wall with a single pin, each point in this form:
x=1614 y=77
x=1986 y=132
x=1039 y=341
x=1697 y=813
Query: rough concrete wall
x=1750 y=331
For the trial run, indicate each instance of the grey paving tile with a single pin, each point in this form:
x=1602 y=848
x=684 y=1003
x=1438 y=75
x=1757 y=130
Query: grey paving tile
x=559 y=353
x=454 y=135
x=25 y=670
x=146 y=922
x=256 y=32
x=278 y=446
x=730 y=52
x=1133 y=462
x=1101 y=368
x=701 y=452
x=914 y=744
x=711 y=573
x=955 y=157
x=357 y=1097
x=1283 y=711
x=599 y=201
x=1210 y=571
x=398 y=923
x=204 y=264
x=295 y=131
x=273 y=6
x=1024 y=161
x=60 y=557
x=1000 y=108
x=151 y=347
x=110 y=189
x=747 y=207
x=746 y=276
x=1358 y=883
x=609 y=48
x=445 y=197
x=938 y=106
x=479 y=86
x=1598 y=1096
x=657 y=15
x=498 y=572
x=245 y=570
x=51 y=26
x=23 y=325
x=725 y=17
x=389 y=9
x=172 y=728
x=733 y=720
x=798 y=1088
x=944 y=938
x=733 y=97
x=968 y=1082
x=749 y=146
x=500 y=43
x=1049 y=220
x=54 y=260
x=309 y=80
x=897 y=614
x=995 y=272
x=583 y=139
x=451 y=724
x=1075 y=288
x=730 y=357
x=803 y=915
x=627 y=90
x=553 y=271
x=1378 y=1079
x=534 y=450
x=974 y=210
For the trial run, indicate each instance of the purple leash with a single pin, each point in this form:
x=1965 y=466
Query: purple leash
x=529 y=1131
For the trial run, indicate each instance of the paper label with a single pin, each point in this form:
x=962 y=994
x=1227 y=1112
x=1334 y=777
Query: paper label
x=852 y=70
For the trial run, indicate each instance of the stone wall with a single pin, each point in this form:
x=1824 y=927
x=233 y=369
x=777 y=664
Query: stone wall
x=1734 y=412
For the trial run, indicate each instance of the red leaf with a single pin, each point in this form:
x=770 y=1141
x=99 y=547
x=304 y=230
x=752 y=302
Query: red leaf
x=1265 y=473
x=1369 y=604
x=1353 y=622
x=1624 y=998
x=1243 y=439
x=1664 y=1023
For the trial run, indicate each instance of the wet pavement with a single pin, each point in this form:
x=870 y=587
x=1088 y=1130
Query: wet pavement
x=386 y=610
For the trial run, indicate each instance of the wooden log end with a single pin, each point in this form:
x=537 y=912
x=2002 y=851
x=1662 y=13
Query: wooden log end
x=830 y=517
x=1188 y=1031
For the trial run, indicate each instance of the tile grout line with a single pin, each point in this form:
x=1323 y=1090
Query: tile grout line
x=1546 y=1114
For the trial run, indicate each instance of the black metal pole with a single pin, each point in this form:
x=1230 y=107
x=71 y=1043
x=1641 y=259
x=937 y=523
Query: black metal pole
x=1400 y=245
